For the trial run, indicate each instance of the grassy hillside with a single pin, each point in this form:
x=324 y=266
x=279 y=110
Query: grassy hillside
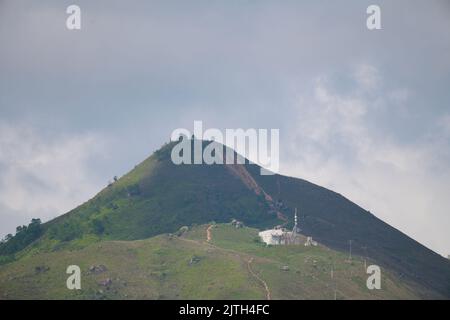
x=231 y=266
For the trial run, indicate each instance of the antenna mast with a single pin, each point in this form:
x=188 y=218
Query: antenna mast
x=295 y=229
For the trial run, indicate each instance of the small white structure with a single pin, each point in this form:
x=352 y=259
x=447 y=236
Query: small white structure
x=280 y=235
x=273 y=236
x=310 y=242
x=237 y=224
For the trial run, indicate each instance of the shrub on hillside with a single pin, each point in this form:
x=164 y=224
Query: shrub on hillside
x=66 y=231
x=24 y=236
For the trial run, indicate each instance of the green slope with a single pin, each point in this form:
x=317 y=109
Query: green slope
x=187 y=267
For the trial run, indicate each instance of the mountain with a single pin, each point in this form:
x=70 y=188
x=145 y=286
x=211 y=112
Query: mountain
x=158 y=197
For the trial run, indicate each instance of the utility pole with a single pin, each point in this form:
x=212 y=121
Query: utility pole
x=350 y=256
x=365 y=257
x=335 y=292
x=333 y=279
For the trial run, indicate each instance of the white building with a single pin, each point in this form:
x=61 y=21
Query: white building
x=273 y=236
x=279 y=235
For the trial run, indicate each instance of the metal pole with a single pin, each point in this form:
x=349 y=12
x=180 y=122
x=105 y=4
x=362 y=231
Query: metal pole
x=350 y=241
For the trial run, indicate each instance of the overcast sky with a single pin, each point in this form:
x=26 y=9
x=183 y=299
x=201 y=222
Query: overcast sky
x=365 y=113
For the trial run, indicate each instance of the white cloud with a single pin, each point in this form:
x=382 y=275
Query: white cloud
x=44 y=177
x=444 y=125
x=367 y=76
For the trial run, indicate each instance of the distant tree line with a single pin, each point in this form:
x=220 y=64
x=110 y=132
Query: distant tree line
x=24 y=236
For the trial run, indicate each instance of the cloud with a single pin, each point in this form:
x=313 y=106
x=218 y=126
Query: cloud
x=44 y=176
x=335 y=145
x=367 y=76
x=444 y=125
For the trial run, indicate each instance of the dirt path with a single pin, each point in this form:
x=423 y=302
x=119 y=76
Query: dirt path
x=231 y=251
x=249 y=262
x=266 y=287
x=208 y=234
x=245 y=256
